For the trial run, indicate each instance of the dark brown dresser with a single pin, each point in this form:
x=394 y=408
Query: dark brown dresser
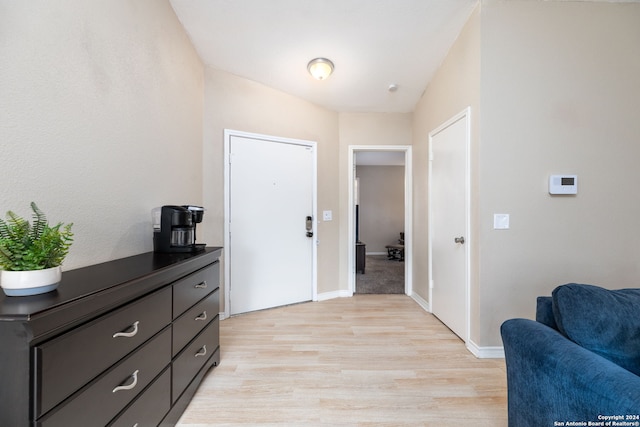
x=361 y=257
x=121 y=343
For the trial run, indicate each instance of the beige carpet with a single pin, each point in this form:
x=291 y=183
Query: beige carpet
x=381 y=276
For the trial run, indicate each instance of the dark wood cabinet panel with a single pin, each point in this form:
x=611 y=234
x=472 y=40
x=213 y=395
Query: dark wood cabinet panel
x=181 y=404
x=194 y=357
x=361 y=257
x=150 y=407
x=61 y=361
x=97 y=403
x=194 y=320
x=68 y=362
x=194 y=287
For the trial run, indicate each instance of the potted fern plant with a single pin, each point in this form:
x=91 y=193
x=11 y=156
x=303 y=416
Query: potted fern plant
x=31 y=254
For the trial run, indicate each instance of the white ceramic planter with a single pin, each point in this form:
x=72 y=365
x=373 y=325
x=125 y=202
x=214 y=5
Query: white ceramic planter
x=32 y=282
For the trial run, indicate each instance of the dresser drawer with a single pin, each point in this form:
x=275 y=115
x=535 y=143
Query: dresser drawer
x=194 y=287
x=65 y=364
x=150 y=407
x=102 y=399
x=194 y=320
x=194 y=356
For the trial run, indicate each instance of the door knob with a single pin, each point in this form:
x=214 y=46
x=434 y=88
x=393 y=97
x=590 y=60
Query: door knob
x=459 y=240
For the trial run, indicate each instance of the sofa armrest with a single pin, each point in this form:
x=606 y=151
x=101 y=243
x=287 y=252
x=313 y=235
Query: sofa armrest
x=551 y=378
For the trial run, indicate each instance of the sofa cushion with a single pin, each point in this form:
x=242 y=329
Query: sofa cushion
x=606 y=322
x=544 y=312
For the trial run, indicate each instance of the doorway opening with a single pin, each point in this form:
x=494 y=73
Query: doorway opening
x=379 y=219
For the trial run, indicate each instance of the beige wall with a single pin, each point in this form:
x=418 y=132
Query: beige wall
x=381 y=190
x=455 y=86
x=236 y=103
x=553 y=89
x=364 y=129
x=101 y=118
x=560 y=94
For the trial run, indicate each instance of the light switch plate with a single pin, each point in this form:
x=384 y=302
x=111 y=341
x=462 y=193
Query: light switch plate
x=500 y=221
x=327 y=215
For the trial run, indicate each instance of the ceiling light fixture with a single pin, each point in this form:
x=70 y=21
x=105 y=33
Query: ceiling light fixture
x=320 y=68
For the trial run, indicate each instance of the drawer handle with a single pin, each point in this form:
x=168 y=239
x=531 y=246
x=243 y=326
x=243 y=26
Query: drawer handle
x=202 y=351
x=202 y=316
x=129 y=386
x=128 y=334
x=202 y=285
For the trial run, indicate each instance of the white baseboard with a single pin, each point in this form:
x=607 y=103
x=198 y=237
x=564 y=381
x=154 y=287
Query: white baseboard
x=485 y=352
x=421 y=302
x=321 y=297
x=479 y=352
x=334 y=294
x=376 y=253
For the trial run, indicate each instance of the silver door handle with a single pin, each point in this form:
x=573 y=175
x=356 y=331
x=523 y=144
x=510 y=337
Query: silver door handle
x=459 y=240
x=133 y=332
x=202 y=351
x=128 y=386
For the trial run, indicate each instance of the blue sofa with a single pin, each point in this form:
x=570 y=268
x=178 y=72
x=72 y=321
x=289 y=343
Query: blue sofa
x=579 y=362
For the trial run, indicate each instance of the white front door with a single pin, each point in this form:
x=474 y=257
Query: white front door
x=271 y=194
x=448 y=223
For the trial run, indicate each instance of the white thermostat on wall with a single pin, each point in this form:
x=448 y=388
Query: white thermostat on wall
x=563 y=184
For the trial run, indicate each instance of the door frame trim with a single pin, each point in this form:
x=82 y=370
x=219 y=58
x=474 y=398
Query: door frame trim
x=466 y=115
x=408 y=214
x=228 y=133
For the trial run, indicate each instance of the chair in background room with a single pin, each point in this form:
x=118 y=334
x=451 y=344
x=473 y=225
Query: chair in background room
x=396 y=251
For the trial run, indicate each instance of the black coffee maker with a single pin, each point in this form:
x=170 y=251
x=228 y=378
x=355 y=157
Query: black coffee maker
x=174 y=228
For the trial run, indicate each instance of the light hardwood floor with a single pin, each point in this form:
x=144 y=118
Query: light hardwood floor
x=370 y=360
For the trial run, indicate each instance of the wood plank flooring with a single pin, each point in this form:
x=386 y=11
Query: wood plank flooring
x=369 y=360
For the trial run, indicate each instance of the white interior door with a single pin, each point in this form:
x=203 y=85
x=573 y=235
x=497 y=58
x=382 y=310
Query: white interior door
x=271 y=194
x=448 y=224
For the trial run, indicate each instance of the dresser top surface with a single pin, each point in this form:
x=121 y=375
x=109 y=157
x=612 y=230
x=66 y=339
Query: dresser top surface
x=87 y=283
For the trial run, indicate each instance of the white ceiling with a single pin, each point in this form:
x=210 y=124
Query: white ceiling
x=373 y=44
